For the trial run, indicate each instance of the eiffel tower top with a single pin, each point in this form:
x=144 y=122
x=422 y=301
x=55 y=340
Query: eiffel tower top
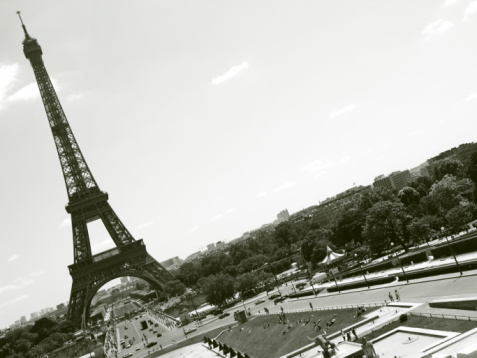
x=79 y=180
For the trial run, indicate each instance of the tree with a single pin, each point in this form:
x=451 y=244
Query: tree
x=218 y=288
x=420 y=229
x=386 y=222
x=408 y=196
x=472 y=172
x=449 y=192
x=174 y=288
x=348 y=227
x=422 y=185
x=285 y=234
x=22 y=345
x=246 y=283
x=318 y=239
x=460 y=215
x=447 y=166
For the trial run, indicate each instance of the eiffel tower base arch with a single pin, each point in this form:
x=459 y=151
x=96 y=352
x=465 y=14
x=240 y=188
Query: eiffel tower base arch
x=89 y=276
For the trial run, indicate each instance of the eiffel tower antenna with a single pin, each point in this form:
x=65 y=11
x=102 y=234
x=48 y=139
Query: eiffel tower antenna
x=87 y=203
x=23 y=25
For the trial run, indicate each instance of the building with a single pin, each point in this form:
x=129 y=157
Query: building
x=400 y=179
x=382 y=181
x=34 y=315
x=420 y=170
x=23 y=320
x=219 y=244
x=394 y=181
x=211 y=247
x=282 y=216
x=172 y=263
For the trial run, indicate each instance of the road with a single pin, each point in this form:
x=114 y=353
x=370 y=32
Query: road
x=132 y=334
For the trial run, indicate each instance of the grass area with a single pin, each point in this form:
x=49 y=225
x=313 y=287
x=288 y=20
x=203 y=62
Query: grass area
x=255 y=340
x=187 y=342
x=442 y=324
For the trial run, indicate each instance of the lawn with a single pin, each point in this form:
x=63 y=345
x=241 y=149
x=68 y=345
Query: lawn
x=442 y=324
x=271 y=342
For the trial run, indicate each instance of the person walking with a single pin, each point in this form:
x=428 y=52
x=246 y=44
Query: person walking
x=311 y=306
x=354 y=333
x=368 y=348
x=391 y=298
x=397 y=295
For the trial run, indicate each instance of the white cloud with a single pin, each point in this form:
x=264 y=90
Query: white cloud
x=30 y=92
x=317 y=166
x=74 y=97
x=37 y=273
x=450 y=2
x=7 y=78
x=262 y=194
x=471 y=97
x=13 y=258
x=231 y=210
x=412 y=134
x=192 y=229
x=470 y=10
x=437 y=28
x=342 y=111
x=234 y=71
x=217 y=217
x=17 y=284
x=142 y=226
x=17 y=299
x=285 y=186
x=66 y=222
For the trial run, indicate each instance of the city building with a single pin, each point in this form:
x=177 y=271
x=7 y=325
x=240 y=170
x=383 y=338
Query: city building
x=382 y=181
x=219 y=244
x=394 y=181
x=400 y=179
x=34 y=315
x=172 y=263
x=211 y=247
x=23 y=320
x=420 y=170
x=282 y=216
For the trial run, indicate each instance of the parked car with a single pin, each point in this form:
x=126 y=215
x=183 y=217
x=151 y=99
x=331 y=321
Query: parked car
x=159 y=334
x=150 y=344
x=271 y=297
x=261 y=300
x=225 y=314
x=190 y=330
x=137 y=348
x=127 y=355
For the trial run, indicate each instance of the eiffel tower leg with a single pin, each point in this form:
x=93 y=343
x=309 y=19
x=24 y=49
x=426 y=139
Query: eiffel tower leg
x=76 y=307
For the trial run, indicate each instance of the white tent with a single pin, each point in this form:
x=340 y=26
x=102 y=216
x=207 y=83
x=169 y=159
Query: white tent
x=331 y=256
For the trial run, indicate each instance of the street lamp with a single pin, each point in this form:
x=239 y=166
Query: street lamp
x=452 y=251
x=362 y=271
x=400 y=264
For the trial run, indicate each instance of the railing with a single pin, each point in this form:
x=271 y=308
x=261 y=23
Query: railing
x=447 y=316
x=329 y=308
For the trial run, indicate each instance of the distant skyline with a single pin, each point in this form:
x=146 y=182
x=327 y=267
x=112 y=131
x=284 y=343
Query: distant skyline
x=203 y=120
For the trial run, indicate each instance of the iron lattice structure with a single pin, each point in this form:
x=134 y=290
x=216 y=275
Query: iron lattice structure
x=87 y=203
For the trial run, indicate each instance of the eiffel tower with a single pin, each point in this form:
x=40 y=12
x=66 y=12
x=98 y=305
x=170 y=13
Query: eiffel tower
x=87 y=203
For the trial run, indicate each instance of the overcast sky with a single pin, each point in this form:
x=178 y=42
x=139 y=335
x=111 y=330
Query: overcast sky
x=204 y=119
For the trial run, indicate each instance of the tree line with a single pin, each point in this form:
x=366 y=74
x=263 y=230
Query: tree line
x=368 y=226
